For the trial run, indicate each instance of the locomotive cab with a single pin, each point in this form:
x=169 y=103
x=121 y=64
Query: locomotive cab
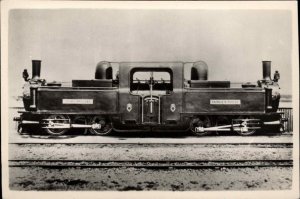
x=151 y=84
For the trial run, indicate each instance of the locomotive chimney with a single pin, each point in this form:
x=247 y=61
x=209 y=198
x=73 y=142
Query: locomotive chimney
x=266 y=70
x=36 y=69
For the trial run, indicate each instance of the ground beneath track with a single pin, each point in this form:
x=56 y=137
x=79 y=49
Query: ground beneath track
x=128 y=179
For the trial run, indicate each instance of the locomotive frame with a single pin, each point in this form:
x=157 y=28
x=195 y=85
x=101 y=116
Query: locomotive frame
x=171 y=103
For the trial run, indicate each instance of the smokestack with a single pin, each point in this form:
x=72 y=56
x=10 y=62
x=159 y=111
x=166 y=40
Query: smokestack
x=266 y=70
x=36 y=69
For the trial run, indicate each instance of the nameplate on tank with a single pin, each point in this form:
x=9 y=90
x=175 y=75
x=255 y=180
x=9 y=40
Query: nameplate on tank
x=225 y=102
x=77 y=101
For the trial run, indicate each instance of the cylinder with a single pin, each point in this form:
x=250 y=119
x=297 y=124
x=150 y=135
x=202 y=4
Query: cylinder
x=199 y=71
x=36 y=69
x=103 y=70
x=266 y=70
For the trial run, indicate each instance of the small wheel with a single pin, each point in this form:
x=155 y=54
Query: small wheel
x=222 y=121
x=80 y=120
x=102 y=126
x=61 y=119
x=200 y=122
x=249 y=130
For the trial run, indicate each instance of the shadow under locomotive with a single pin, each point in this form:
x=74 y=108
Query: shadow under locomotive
x=39 y=133
x=145 y=97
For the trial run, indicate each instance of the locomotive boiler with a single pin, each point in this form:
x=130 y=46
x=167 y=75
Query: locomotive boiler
x=150 y=96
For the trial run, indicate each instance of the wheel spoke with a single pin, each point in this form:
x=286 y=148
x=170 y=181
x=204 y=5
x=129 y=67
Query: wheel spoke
x=246 y=131
x=105 y=126
x=57 y=119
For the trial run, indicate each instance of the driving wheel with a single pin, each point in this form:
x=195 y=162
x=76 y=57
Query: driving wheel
x=57 y=120
x=197 y=125
x=100 y=126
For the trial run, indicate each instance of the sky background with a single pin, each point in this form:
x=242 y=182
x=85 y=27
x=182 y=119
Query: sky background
x=70 y=42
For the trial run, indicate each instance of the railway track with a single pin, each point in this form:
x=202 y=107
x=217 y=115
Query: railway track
x=150 y=151
x=150 y=164
x=257 y=144
x=132 y=164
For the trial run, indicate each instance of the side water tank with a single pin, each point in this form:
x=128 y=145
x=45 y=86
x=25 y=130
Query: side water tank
x=103 y=70
x=199 y=71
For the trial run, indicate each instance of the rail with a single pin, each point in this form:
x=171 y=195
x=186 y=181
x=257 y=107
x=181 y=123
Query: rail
x=151 y=164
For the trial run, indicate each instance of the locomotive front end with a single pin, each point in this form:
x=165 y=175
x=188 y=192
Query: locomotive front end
x=31 y=85
x=271 y=86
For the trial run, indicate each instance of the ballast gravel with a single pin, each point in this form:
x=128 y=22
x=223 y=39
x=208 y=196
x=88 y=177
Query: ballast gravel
x=128 y=179
x=146 y=152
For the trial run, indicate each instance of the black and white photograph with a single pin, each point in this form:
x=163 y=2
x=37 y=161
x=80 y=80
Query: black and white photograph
x=139 y=99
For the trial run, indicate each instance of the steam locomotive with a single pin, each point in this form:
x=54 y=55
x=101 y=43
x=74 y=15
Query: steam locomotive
x=150 y=96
